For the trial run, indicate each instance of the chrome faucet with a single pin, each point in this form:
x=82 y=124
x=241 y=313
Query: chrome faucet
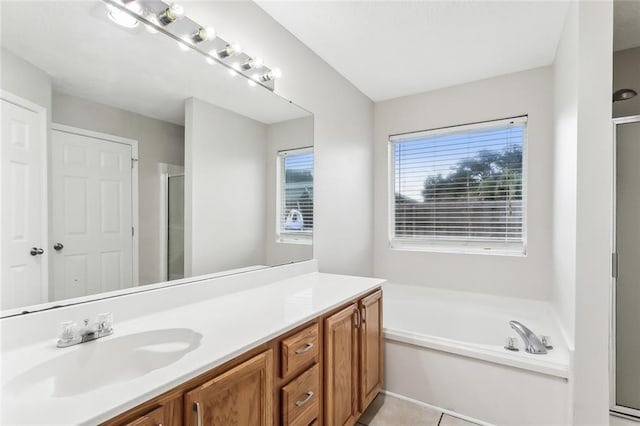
x=532 y=344
x=70 y=336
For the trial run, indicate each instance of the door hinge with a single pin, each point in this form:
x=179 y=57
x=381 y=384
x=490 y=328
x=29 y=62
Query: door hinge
x=614 y=265
x=133 y=231
x=133 y=161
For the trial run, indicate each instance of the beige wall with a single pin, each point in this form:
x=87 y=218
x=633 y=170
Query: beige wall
x=626 y=75
x=516 y=94
x=225 y=189
x=158 y=142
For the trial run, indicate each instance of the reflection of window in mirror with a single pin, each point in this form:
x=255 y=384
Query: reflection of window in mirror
x=295 y=196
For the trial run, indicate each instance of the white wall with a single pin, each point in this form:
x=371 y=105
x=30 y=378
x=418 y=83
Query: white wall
x=225 y=189
x=626 y=75
x=158 y=142
x=582 y=195
x=25 y=80
x=565 y=92
x=342 y=131
x=281 y=136
x=526 y=92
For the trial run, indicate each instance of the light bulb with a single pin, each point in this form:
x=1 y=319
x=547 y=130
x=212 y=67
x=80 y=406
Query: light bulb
x=251 y=83
x=208 y=33
x=271 y=75
x=184 y=44
x=209 y=60
x=171 y=14
x=276 y=73
x=256 y=77
x=232 y=72
x=123 y=18
x=214 y=53
x=252 y=63
x=229 y=50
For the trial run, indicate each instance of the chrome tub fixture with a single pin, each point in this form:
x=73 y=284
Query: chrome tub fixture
x=532 y=344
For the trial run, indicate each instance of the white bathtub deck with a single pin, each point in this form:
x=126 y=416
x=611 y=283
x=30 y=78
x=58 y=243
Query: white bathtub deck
x=473 y=325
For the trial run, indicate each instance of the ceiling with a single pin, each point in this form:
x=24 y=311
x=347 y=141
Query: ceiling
x=626 y=18
x=91 y=57
x=390 y=49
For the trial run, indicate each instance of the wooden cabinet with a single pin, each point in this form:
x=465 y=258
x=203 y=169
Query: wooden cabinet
x=300 y=398
x=242 y=396
x=299 y=349
x=325 y=372
x=371 y=349
x=166 y=410
x=341 y=367
x=353 y=360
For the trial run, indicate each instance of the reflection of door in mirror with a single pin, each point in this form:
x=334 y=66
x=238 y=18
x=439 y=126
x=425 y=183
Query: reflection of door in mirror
x=93 y=206
x=23 y=212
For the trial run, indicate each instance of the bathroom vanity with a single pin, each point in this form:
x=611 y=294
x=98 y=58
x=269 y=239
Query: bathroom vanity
x=333 y=362
x=306 y=349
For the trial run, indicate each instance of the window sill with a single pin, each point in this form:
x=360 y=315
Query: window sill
x=516 y=250
x=305 y=241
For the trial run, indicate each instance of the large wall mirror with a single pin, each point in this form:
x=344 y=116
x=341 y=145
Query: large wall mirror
x=127 y=161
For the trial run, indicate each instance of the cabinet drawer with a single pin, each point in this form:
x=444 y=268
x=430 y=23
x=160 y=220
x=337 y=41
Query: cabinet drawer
x=299 y=350
x=300 y=398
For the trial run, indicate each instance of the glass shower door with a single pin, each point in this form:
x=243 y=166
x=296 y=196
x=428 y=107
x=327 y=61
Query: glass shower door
x=627 y=283
x=175 y=233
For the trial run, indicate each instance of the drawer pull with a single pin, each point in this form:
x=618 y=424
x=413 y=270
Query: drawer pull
x=304 y=401
x=308 y=346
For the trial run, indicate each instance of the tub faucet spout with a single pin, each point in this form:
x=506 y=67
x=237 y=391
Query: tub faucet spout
x=532 y=344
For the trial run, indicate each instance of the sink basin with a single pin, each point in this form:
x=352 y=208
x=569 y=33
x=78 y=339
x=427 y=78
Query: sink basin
x=103 y=362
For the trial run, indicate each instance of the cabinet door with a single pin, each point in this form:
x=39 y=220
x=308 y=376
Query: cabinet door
x=154 y=418
x=341 y=367
x=242 y=396
x=370 y=348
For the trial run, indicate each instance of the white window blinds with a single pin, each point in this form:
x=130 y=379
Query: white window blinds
x=295 y=201
x=462 y=185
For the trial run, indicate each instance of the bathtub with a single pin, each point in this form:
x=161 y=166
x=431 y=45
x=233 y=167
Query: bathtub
x=445 y=349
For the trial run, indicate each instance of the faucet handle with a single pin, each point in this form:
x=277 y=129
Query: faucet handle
x=546 y=342
x=105 y=321
x=67 y=330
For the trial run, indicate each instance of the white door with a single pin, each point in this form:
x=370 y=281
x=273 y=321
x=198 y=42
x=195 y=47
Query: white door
x=23 y=207
x=92 y=215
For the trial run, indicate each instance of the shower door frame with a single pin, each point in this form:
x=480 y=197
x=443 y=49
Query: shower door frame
x=614 y=408
x=166 y=171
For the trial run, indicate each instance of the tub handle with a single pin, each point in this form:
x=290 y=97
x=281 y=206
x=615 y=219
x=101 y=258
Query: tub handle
x=357 y=312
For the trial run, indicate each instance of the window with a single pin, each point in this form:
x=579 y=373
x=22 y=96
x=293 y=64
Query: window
x=295 y=196
x=460 y=188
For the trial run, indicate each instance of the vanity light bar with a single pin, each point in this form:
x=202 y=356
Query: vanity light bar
x=159 y=16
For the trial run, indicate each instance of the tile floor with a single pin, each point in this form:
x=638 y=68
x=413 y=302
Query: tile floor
x=389 y=411
x=386 y=410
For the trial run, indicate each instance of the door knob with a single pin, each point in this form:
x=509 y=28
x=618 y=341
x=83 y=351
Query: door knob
x=58 y=246
x=35 y=251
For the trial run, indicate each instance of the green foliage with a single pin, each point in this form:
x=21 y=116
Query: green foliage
x=489 y=176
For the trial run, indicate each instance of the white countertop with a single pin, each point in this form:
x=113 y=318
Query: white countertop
x=229 y=325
